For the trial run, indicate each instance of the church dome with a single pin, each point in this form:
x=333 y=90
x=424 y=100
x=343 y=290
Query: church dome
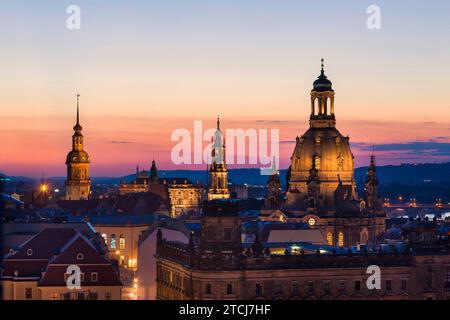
x=322 y=83
x=76 y=156
x=328 y=149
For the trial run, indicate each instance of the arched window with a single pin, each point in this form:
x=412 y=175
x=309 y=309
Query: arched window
x=80 y=256
x=330 y=238
x=112 y=243
x=341 y=239
x=121 y=242
x=364 y=238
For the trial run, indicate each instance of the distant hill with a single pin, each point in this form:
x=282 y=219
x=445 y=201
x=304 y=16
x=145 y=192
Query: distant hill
x=405 y=174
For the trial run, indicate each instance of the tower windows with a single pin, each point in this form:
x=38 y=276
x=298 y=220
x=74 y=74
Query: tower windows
x=330 y=238
x=340 y=239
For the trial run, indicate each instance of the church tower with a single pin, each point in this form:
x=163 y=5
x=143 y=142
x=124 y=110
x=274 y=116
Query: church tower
x=153 y=173
x=371 y=186
x=218 y=173
x=78 y=183
x=274 y=197
x=322 y=159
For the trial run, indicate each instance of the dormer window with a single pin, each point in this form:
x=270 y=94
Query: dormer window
x=80 y=256
x=94 y=277
x=29 y=252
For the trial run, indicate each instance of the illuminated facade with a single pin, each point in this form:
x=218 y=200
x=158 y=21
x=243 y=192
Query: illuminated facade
x=78 y=183
x=218 y=173
x=320 y=180
x=218 y=266
x=183 y=195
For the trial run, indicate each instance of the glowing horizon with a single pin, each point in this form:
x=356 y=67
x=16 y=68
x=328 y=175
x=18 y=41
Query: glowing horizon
x=148 y=68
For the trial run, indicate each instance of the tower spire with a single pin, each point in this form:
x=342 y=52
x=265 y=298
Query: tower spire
x=218 y=123
x=321 y=71
x=78 y=108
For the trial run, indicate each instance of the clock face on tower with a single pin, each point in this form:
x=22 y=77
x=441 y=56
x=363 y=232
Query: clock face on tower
x=311 y=221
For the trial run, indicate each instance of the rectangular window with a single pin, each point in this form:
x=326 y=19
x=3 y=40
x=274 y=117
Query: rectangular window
x=342 y=284
x=82 y=277
x=107 y=295
x=229 y=288
x=94 y=277
x=93 y=296
x=278 y=288
x=227 y=234
x=327 y=286
x=388 y=285
x=80 y=296
x=310 y=286
x=357 y=285
x=208 y=289
x=122 y=243
x=258 y=289
x=295 y=287
x=28 y=293
x=54 y=296
x=65 y=296
x=404 y=284
x=447 y=279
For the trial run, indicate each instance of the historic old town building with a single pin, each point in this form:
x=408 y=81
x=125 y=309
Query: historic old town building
x=320 y=180
x=217 y=266
x=182 y=195
x=218 y=173
x=78 y=183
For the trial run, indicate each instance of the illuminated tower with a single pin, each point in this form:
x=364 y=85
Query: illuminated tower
x=218 y=173
x=78 y=183
x=371 y=186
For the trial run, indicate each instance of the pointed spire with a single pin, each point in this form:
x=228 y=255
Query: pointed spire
x=218 y=123
x=78 y=108
x=322 y=71
x=77 y=126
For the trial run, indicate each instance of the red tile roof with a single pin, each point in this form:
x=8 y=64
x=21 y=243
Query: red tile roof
x=48 y=254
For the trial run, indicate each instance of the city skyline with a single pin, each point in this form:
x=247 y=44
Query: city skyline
x=144 y=70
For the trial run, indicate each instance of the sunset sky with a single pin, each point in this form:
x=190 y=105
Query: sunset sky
x=146 y=68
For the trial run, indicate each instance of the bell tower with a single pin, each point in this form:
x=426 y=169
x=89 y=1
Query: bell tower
x=218 y=173
x=78 y=182
x=322 y=102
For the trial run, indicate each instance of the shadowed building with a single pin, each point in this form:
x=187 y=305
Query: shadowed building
x=218 y=266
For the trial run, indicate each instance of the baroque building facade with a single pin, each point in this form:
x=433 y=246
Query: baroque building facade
x=320 y=180
x=183 y=195
x=78 y=182
x=217 y=266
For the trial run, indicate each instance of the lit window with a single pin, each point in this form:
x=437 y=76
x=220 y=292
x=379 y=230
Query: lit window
x=54 y=296
x=105 y=237
x=121 y=242
x=107 y=295
x=340 y=239
x=112 y=244
x=330 y=238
